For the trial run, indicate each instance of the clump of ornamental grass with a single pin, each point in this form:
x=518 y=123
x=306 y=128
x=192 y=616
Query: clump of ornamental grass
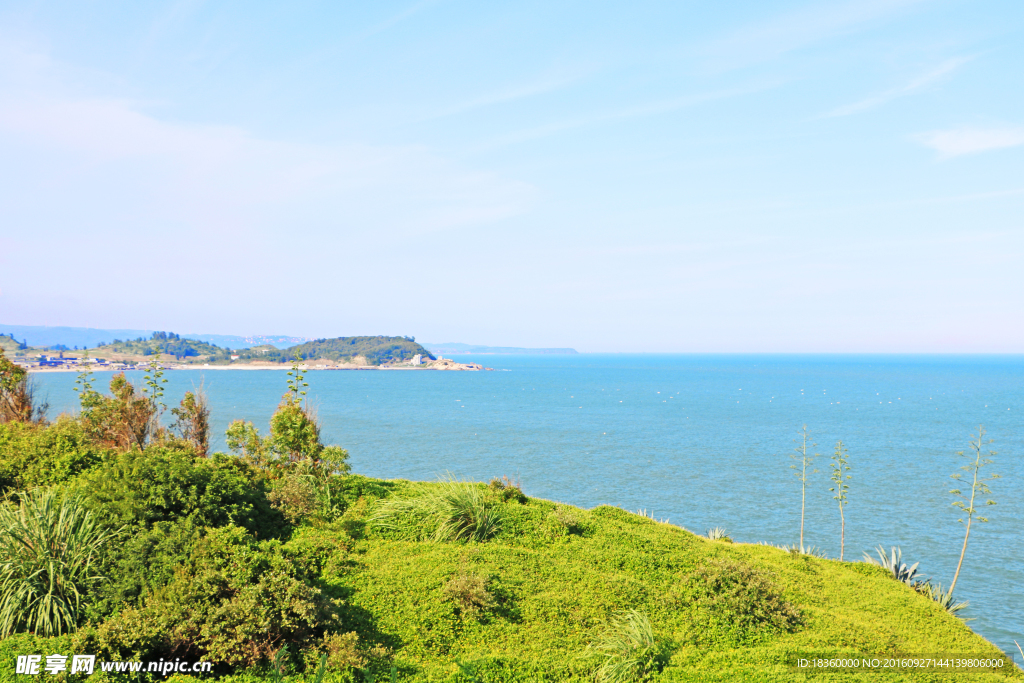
x=627 y=649
x=48 y=546
x=450 y=510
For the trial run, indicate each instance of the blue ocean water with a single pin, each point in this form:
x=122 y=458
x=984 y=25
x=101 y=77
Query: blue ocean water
x=701 y=440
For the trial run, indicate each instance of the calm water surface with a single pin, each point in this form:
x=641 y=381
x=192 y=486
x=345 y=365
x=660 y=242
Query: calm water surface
x=701 y=440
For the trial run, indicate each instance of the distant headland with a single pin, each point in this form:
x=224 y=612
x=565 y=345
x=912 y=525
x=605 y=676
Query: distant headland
x=174 y=351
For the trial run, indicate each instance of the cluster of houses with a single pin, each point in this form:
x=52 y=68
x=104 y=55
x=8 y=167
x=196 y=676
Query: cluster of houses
x=43 y=361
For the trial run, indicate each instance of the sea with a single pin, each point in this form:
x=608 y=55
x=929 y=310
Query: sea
x=701 y=441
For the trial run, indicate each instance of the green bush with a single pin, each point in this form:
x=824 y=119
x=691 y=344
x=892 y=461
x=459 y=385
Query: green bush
x=214 y=491
x=735 y=601
x=235 y=601
x=469 y=592
x=48 y=548
x=143 y=564
x=34 y=455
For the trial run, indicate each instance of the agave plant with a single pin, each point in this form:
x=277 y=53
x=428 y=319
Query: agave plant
x=628 y=649
x=718 y=534
x=893 y=563
x=47 y=548
x=811 y=550
x=941 y=596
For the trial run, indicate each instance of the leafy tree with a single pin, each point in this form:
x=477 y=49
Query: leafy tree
x=804 y=462
x=840 y=473
x=17 y=395
x=193 y=421
x=244 y=438
x=978 y=486
x=126 y=419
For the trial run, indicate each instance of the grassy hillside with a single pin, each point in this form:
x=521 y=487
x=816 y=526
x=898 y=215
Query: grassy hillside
x=525 y=604
x=10 y=346
x=555 y=575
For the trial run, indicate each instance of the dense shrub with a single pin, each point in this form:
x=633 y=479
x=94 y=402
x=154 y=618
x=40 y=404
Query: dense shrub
x=235 y=601
x=141 y=565
x=469 y=592
x=124 y=419
x=141 y=488
x=17 y=394
x=507 y=489
x=34 y=455
x=735 y=601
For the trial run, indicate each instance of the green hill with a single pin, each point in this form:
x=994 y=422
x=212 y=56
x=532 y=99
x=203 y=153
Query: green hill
x=167 y=343
x=11 y=346
x=377 y=350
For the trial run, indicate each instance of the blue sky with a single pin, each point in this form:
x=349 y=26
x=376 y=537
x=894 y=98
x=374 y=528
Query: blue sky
x=676 y=176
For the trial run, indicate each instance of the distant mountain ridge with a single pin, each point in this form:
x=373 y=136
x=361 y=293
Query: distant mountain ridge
x=37 y=335
x=457 y=348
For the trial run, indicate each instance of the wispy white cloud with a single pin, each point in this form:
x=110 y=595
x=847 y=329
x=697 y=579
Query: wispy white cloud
x=798 y=29
x=221 y=179
x=639 y=110
x=540 y=86
x=919 y=83
x=960 y=141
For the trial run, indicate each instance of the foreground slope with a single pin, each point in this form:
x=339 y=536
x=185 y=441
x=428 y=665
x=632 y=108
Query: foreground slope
x=522 y=604
x=525 y=604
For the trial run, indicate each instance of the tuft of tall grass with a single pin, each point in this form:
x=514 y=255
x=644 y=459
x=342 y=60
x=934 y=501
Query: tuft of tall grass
x=449 y=510
x=628 y=649
x=48 y=545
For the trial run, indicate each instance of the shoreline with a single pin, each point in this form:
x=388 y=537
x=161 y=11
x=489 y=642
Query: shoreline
x=447 y=366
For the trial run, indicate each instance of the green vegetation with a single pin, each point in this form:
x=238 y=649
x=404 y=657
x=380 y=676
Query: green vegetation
x=978 y=486
x=804 y=461
x=17 y=395
x=448 y=511
x=48 y=545
x=167 y=343
x=628 y=650
x=278 y=563
x=840 y=474
x=375 y=350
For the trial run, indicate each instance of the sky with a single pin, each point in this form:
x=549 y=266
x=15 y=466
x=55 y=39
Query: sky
x=614 y=177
